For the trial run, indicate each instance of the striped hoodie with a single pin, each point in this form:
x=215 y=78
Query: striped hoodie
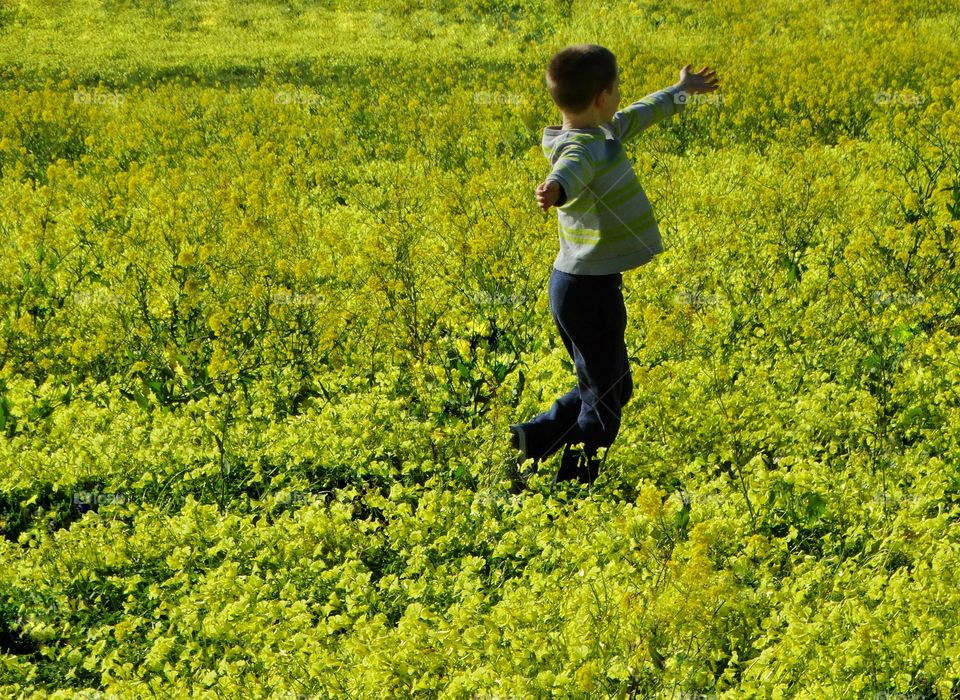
x=605 y=221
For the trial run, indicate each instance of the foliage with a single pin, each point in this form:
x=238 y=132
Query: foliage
x=267 y=307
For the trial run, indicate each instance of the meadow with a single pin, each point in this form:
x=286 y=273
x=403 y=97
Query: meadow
x=273 y=284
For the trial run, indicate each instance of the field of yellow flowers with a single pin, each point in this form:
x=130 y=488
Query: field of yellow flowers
x=273 y=285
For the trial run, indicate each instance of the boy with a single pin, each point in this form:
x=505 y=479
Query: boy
x=606 y=227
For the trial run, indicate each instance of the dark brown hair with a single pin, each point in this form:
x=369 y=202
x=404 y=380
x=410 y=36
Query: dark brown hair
x=577 y=73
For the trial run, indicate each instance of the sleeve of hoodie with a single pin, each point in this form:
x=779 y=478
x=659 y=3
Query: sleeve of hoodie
x=573 y=170
x=647 y=111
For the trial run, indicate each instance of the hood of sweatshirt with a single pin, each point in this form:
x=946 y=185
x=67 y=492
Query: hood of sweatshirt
x=554 y=137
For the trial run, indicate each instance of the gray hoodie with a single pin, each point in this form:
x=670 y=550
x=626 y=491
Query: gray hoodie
x=605 y=221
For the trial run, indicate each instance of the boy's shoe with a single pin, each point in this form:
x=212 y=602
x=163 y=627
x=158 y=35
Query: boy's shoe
x=518 y=476
x=569 y=469
x=590 y=467
x=578 y=465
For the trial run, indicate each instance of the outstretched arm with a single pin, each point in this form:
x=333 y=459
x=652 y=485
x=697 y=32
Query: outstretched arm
x=571 y=173
x=657 y=106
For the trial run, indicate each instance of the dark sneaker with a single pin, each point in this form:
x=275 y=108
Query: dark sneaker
x=589 y=468
x=578 y=465
x=519 y=476
x=569 y=469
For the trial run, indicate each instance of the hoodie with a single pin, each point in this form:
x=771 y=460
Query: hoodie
x=605 y=222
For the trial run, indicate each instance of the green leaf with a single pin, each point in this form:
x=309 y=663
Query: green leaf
x=141 y=400
x=903 y=333
x=682 y=518
x=816 y=507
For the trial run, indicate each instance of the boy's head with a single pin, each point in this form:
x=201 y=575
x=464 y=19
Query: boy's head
x=584 y=82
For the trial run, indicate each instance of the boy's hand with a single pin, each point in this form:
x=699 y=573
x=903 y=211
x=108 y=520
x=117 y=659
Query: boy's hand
x=704 y=80
x=548 y=193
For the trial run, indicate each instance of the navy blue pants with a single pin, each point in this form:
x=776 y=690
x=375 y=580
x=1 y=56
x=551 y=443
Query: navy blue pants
x=590 y=315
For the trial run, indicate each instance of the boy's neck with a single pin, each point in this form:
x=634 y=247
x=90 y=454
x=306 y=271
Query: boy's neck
x=576 y=125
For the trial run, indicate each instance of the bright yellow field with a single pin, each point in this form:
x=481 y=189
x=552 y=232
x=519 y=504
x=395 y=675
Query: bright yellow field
x=273 y=285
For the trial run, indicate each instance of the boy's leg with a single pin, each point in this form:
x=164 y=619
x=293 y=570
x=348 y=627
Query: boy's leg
x=549 y=431
x=544 y=434
x=593 y=308
x=594 y=318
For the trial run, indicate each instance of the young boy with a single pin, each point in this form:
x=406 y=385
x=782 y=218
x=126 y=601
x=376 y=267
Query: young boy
x=606 y=227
